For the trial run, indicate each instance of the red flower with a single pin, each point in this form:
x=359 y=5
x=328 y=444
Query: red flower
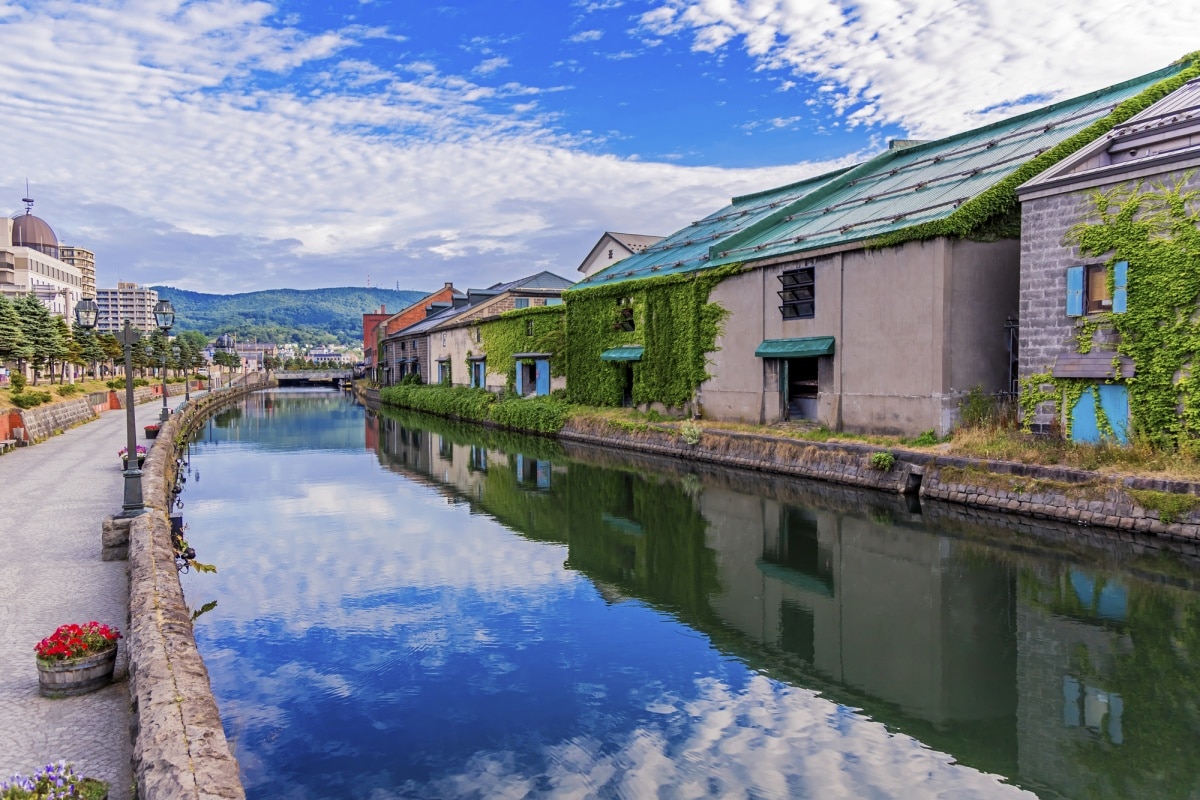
x=73 y=641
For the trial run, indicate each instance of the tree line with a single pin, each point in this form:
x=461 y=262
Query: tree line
x=30 y=336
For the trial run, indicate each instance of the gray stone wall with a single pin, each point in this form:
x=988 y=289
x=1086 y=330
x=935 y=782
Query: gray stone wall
x=44 y=421
x=1046 y=330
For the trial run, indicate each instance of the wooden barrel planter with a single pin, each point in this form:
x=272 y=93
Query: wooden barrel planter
x=75 y=676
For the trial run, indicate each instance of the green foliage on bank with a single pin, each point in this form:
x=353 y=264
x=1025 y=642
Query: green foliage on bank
x=540 y=414
x=540 y=329
x=670 y=316
x=301 y=316
x=992 y=213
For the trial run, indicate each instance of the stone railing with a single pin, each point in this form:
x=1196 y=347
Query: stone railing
x=180 y=750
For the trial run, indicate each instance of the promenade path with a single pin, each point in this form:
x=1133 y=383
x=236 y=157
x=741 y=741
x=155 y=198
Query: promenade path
x=53 y=499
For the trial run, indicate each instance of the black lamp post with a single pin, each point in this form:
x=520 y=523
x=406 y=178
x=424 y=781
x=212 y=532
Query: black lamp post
x=86 y=312
x=164 y=317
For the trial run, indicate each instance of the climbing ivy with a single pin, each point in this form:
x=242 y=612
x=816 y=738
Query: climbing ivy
x=508 y=335
x=1156 y=230
x=1065 y=394
x=991 y=212
x=672 y=319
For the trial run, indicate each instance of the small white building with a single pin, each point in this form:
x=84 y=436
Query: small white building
x=613 y=247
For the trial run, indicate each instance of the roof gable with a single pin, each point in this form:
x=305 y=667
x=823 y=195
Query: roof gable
x=1168 y=132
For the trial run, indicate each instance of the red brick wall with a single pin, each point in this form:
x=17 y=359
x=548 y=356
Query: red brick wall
x=416 y=312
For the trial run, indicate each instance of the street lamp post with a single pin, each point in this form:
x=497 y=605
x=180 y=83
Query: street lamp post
x=164 y=316
x=187 y=378
x=86 y=312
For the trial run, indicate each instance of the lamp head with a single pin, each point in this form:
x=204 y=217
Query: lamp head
x=86 y=312
x=164 y=315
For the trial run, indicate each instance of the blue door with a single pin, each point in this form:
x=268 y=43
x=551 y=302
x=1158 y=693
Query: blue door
x=1114 y=403
x=542 y=372
x=520 y=379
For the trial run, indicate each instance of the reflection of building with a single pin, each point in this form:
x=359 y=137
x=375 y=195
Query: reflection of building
x=126 y=302
x=30 y=263
x=1068 y=637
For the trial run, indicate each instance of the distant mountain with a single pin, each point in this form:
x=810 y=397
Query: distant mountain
x=302 y=316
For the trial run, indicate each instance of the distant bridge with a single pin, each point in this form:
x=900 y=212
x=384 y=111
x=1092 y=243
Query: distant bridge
x=335 y=376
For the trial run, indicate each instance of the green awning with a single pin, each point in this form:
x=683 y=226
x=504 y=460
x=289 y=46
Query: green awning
x=630 y=353
x=796 y=348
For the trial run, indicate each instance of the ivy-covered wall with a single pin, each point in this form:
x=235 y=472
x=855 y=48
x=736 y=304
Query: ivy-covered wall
x=1154 y=227
x=671 y=318
x=539 y=329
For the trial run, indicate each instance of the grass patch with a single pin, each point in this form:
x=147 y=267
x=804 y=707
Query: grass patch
x=972 y=476
x=1170 y=506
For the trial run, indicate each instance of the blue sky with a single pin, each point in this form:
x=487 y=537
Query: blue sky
x=232 y=145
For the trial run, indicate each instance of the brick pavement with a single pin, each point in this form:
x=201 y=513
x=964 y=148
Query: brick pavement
x=53 y=498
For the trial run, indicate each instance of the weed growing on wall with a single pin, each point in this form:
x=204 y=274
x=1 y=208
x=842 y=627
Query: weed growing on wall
x=671 y=318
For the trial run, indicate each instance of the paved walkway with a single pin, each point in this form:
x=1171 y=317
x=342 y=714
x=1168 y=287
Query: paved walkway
x=53 y=498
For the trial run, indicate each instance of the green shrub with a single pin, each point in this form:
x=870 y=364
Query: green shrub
x=30 y=399
x=449 y=401
x=690 y=432
x=18 y=382
x=541 y=414
x=69 y=390
x=883 y=461
x=926 y=439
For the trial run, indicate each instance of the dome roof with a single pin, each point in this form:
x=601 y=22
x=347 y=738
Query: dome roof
x=31 y=231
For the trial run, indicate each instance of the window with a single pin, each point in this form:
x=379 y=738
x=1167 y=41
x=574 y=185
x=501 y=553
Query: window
x=554 y=301
x=529 y=327
x=1088 y=292
x=797 y=293
x=624 y=315
x=1096 y=295
x=520 y=302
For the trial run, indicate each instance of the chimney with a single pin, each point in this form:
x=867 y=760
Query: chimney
x=448 y=285
x=382 y=308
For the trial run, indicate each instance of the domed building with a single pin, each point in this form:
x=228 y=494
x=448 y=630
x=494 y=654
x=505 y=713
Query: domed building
x=30 y=264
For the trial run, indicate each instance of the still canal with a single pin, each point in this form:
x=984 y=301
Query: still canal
x=408 y=607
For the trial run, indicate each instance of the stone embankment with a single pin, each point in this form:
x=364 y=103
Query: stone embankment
x=180 y=750
x=1159 y=510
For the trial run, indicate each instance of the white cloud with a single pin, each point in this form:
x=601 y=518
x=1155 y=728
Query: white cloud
x=586 y=36
x=148 y=137
x=936 y=66
x=488 y=66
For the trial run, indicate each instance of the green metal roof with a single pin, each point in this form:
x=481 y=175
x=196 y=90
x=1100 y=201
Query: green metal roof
x=895 y=190
x=630 y=353
x=795 y=348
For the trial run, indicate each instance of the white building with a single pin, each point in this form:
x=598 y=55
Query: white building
x=30 y=263
x=126 y=302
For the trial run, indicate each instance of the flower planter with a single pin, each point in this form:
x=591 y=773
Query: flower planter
x=151 y=431
x=125 y=462
x=75 y=676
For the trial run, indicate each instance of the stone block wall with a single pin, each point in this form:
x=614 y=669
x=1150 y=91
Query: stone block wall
x=44 y=421
x=1046 y=330
x=180 y=749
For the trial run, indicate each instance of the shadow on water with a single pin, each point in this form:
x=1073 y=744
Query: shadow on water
x=1066 y=660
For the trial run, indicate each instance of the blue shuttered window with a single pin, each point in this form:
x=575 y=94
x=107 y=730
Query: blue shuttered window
x=1120 y=283
x=1074 y=291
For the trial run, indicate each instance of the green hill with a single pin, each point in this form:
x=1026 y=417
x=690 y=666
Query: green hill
x=303 y=316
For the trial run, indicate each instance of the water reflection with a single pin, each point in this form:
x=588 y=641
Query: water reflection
x=628 y=626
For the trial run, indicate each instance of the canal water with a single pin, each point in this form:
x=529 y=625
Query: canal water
x=408 y=607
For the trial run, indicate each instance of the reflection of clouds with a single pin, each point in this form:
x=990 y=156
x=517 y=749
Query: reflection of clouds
x=353 y=547
x=766 y=740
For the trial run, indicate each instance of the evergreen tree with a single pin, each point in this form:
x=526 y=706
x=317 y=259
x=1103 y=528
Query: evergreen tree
x=13 y=346
x=40 y=331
